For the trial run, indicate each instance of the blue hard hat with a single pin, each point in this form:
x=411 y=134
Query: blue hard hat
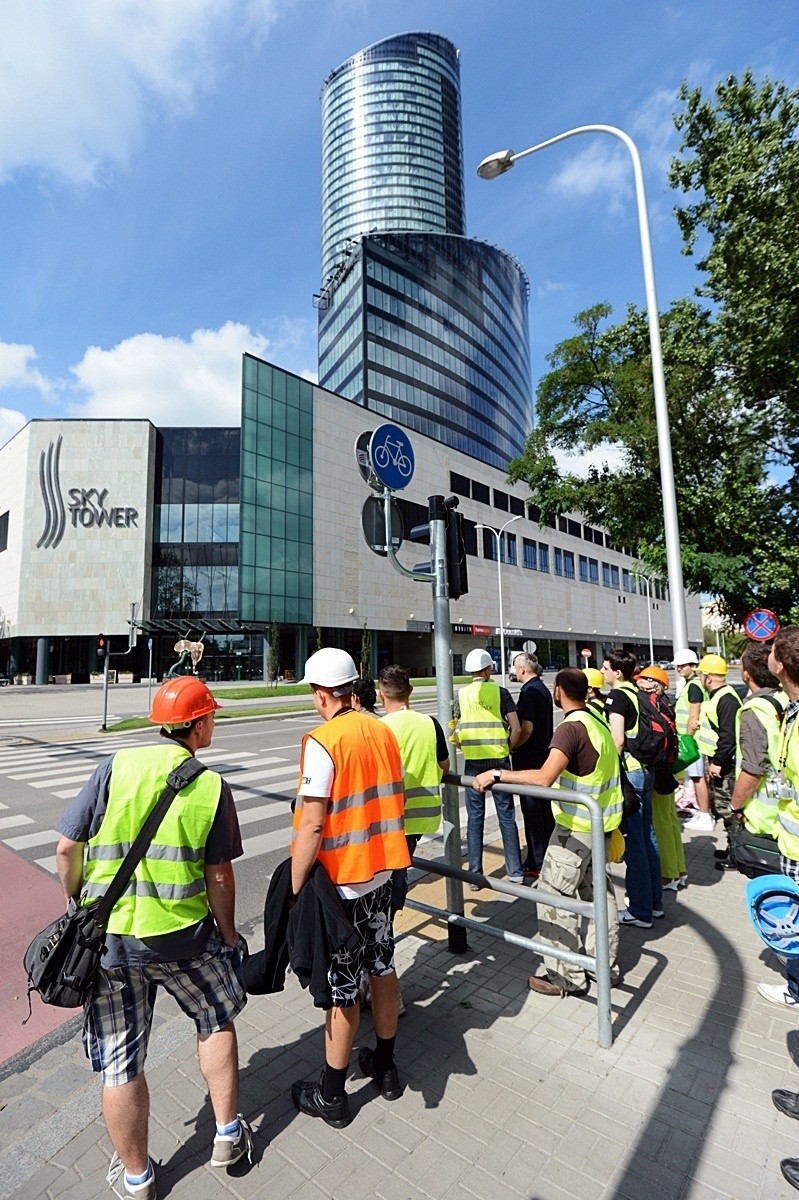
x=772 y=902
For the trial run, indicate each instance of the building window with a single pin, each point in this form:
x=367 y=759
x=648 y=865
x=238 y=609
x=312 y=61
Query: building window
x=516 y=506
x=528 y=554
x=562 y=526
x=481 y=492
x=543 y=557
x=593 y=571
x=568 y=564
x=501 y=500
x=4 y=531
x=459 y=484
x=510 y=549
x=583 y=569
x=489 y=545
x=606 y=574
x=614 y=576
x=626 y=581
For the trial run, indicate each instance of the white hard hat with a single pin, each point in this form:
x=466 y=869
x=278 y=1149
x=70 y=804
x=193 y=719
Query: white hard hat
x=477 y=660
x=683 y=657
x=330 y=668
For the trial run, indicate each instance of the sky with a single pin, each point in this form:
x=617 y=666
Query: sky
x=160 y=175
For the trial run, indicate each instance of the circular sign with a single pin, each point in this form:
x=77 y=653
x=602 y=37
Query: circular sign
x=761 y=625
x=529 y=647
x=364 y=461
x=391 y=455
x=586 y=653
x=373 y=523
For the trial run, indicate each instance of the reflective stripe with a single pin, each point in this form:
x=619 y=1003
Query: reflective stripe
x=412 y=793
x=358 y=837
x=590 y=789
x=155 y=851
x=379 y=791
x=146 y=887
x=787 y=824
x=419 y=814
x=579 y=810
x=602 y=784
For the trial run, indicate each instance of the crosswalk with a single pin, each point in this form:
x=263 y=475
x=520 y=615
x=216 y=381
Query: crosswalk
x=263 y=786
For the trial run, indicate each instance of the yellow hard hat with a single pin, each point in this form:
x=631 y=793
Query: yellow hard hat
x=594 y=676
x=712 y=664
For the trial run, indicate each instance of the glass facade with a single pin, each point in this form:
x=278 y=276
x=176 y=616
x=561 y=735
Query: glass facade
x=391 y=143
x=276 y=536
x=196 y=526
x=431 y=331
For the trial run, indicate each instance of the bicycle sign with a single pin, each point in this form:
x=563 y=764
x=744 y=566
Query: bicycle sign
x=392 y=458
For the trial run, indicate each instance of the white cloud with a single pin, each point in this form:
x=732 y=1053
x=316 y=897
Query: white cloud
x=17 y=369
x=11 y=421
x=611 y=454
x=654 y=131
x=166 y=379
x=80 y=79
x=602 y=168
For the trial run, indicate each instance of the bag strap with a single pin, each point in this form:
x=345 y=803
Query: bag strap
x=178 y=779
x=774 y=702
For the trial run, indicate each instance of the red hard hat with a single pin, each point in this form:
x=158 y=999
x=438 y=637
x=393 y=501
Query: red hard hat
x=181 y=700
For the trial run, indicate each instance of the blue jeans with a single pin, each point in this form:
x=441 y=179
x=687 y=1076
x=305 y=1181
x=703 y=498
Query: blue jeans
x=506 y=815
x=642 y=857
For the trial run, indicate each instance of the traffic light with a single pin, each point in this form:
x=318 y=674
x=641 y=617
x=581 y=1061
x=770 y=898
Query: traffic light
x=101 y=646
x=456 y=555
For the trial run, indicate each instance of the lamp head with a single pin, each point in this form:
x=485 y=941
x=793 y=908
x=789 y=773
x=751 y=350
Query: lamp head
x=496 y=164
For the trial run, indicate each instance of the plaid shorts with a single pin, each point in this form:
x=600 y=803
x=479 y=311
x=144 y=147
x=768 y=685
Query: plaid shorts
x=374 y=954
x=119 y=1016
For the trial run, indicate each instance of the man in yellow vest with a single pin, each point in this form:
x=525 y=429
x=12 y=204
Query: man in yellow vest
x=716 y=736
x=488 y=728
x=582 y=759
x=425 y=759
x=758 y=721
x=349 y=817
x=783 y=663
x=173 y=928
x=691 y=695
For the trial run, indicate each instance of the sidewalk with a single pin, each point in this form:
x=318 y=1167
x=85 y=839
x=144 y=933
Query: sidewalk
x=506 y=1093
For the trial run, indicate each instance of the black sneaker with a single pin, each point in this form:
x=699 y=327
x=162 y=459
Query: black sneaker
x=307 y=1095
x=387 y=1081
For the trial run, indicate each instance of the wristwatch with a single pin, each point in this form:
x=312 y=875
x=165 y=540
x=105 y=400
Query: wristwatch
x=497 y=776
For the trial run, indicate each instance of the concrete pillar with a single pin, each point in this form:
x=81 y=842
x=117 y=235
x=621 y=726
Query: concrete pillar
x=42 y=659
x=300 y=650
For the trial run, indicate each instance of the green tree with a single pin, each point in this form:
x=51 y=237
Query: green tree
x=735 y=524
x=739 y=169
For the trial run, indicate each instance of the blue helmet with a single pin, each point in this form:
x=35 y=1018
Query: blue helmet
x=772 y=902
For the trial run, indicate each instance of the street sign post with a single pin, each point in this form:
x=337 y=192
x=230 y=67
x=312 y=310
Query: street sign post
x=364 y=460
x=391 y=456
x=586 y=653
x=529 y=647
x=761 y=625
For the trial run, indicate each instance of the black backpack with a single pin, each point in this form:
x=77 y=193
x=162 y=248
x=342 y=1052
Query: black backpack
x=655 y=743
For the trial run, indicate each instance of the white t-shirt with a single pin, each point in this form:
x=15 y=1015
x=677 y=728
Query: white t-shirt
x=317 y=772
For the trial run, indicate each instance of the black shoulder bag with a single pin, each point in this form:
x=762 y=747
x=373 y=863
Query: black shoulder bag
x=62 y=961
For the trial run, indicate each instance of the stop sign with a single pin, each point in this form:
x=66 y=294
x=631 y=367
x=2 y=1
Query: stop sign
x=586 y=653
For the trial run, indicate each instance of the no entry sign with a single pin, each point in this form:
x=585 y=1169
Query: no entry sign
x=761 y=625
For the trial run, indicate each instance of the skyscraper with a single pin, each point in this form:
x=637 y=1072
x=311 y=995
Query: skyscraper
x=416 y=322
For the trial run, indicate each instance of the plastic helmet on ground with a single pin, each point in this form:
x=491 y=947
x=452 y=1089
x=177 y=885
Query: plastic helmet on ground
x=712 y=664
x=595 y=677
x=181 y=701
x=330 y=668
x=772 y=902
x=685 y=657
x=657 y=673
x=477 y=660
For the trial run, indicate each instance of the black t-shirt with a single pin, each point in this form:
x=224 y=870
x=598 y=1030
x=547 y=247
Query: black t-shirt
x=622 y=703
x=535 y=705
x=442 y=746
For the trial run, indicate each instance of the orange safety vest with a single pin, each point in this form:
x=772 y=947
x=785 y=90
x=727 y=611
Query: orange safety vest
x=364 y=827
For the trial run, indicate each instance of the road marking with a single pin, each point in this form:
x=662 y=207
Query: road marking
x=17 y=819
x=265 y=842
x=48 y=864
x=269 y=773
x=26 y=840
x=249 y=816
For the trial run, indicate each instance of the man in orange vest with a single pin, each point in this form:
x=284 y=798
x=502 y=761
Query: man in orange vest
x=349 y=817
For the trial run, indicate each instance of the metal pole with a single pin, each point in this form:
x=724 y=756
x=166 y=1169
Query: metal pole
x=149 y=671
x=105 y=686
x=670 y=524
x=649 y=616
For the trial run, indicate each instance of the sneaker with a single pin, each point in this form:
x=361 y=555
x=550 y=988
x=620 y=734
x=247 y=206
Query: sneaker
x=701 y=821
x=401 y=1010
x=387 y=1081
x=672 y=885
x=116 y=1179
x=777 y=993
x=515 y=879
x=229 y=1148
x=627 y=918
x=307 y=1095
x=657 y=913
x=683 y=881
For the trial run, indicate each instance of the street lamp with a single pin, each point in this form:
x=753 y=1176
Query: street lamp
x=498 y=164
x=498 y=535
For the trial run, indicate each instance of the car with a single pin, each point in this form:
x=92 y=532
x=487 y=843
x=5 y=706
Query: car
x=665 y=664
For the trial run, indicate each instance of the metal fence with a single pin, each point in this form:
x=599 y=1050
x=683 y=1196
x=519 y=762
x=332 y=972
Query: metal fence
x=596 y=912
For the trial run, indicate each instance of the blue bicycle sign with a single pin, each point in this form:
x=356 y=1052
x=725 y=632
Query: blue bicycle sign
x=391 y=455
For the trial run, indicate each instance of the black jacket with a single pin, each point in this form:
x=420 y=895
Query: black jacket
x=304 y=935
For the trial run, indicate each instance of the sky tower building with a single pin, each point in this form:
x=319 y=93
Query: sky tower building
x=417 y=323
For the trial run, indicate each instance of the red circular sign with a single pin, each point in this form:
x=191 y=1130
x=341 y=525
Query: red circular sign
x=586 y=653
x=761 y=625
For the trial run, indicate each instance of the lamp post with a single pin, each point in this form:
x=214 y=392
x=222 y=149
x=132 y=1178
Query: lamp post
x=498 y=535
x=502 y=161
x=648 y=583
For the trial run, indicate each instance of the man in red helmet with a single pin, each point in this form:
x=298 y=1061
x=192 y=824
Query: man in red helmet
x=174 y=927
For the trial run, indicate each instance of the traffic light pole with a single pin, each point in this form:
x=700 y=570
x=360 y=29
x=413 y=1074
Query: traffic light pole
x=442 y=642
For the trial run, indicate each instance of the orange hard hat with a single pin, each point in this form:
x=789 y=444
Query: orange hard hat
x=656 y=673
x=180 y=701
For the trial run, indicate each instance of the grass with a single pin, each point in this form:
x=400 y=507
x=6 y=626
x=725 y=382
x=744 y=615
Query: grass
x=298 y=689
x=223 y=714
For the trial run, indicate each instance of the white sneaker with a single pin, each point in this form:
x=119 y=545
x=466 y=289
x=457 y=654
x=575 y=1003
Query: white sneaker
x=701 y=821
x=777 y=993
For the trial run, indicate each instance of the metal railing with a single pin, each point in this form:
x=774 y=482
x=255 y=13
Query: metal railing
x=596 y=912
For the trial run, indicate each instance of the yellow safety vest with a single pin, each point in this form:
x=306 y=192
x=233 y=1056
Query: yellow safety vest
x=760 y=811
x=708 y=736
x=481 y=730
x=682 y=707
x=167 y=890
x=788 y=784
x=603 y=784
x=630 y=762
x=416 y=735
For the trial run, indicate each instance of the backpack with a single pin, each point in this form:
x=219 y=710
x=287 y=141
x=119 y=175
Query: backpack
x=655 y=744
